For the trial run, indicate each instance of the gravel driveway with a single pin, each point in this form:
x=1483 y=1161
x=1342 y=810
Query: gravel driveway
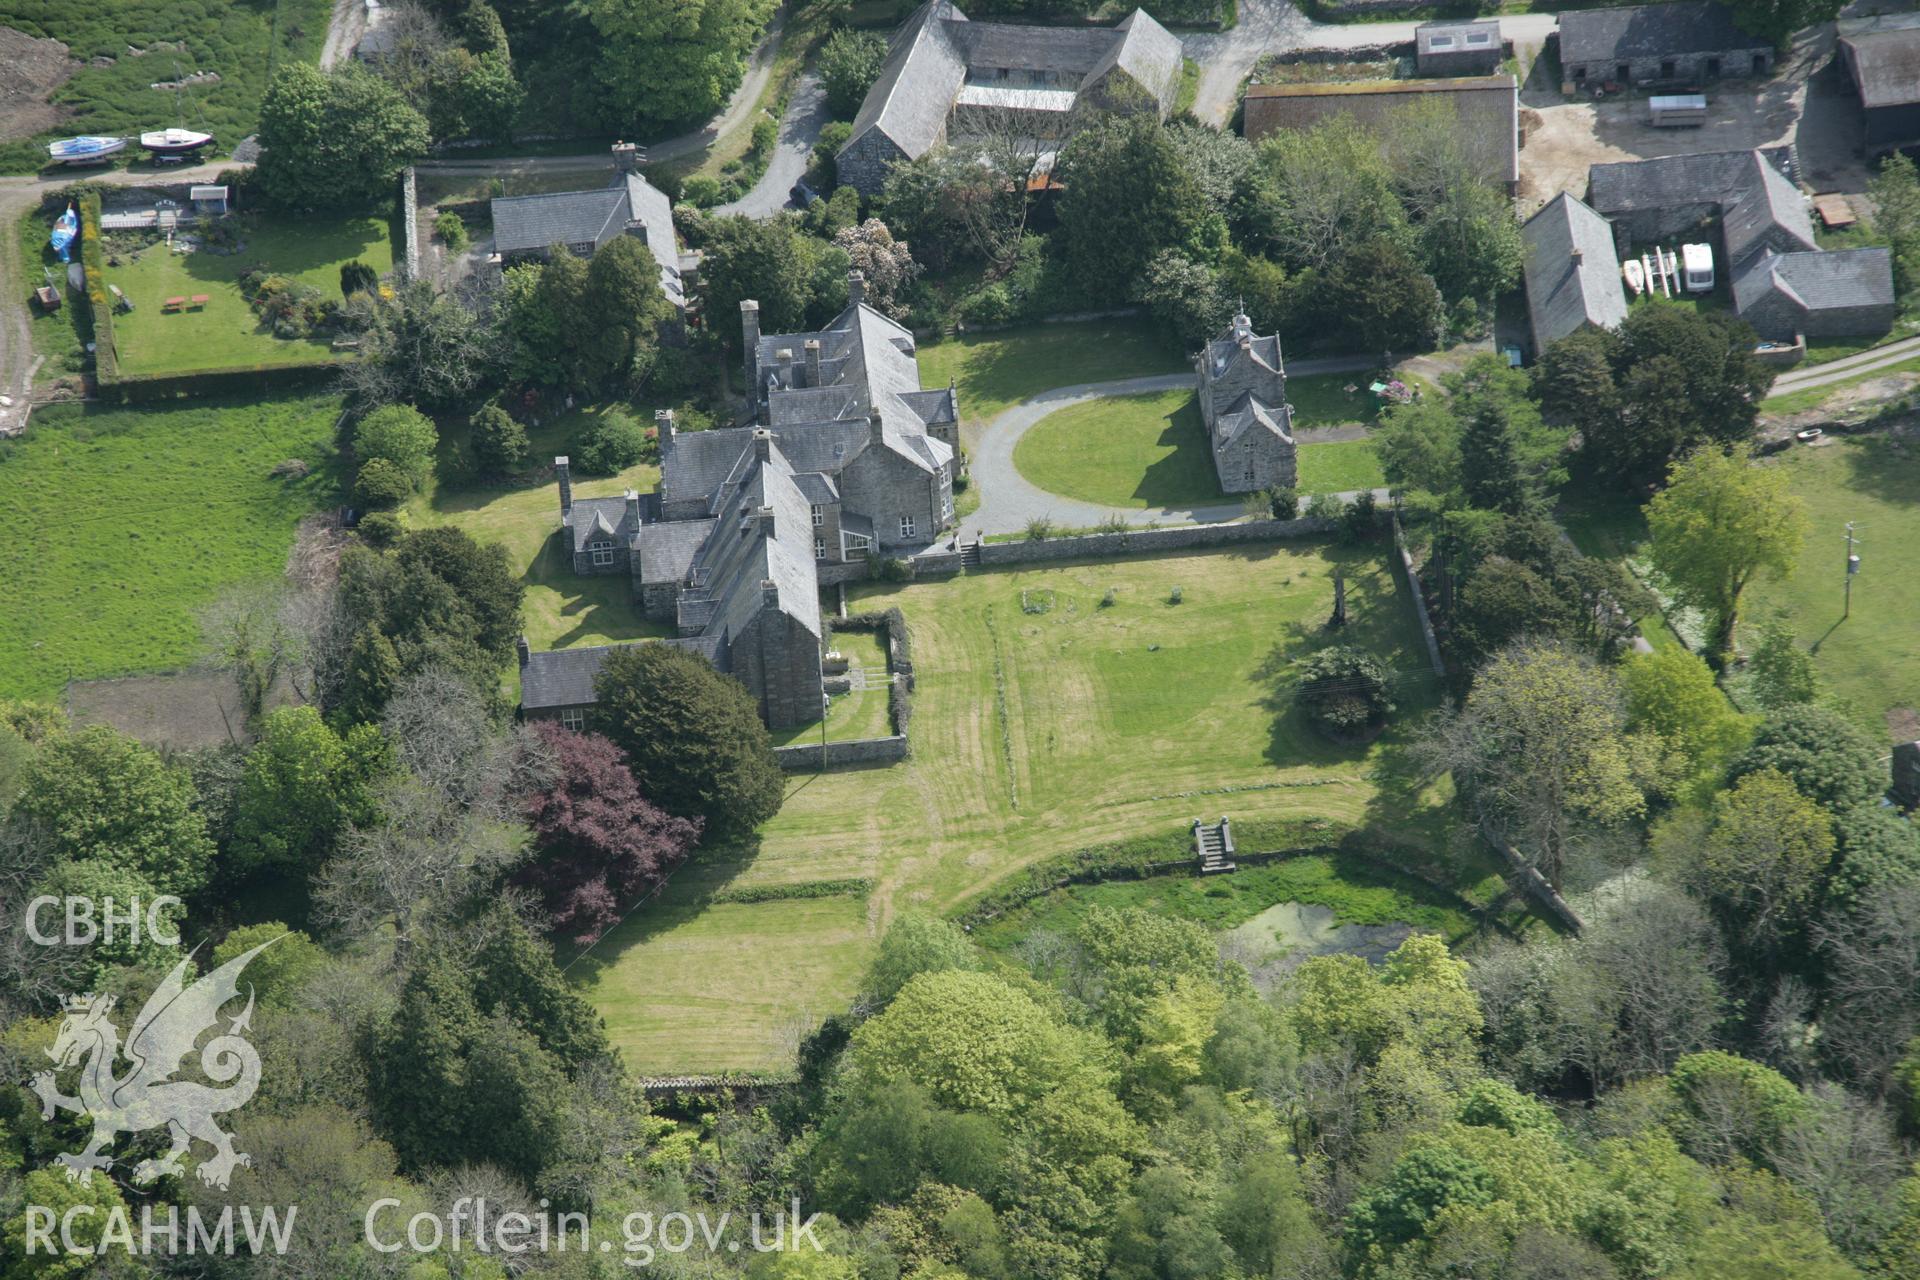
x=806 y=116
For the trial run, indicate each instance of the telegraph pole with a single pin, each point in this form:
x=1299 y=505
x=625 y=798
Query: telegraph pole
x=1853 y=567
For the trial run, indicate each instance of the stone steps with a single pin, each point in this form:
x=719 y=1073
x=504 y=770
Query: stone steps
x=1213 y=846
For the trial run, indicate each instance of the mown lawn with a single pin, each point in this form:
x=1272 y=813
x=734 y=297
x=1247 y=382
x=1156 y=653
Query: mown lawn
x=1322 y=400
x=121 y=524
x=561 y=609
x=1043 y=722
x=226 y=332
x=1872 y=658
x=997 y=370
x=1339 y=466
x=142 y=42
x=1123 y=451
x=860 y=712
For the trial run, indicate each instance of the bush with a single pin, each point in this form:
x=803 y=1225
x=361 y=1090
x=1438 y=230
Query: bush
x=1359 y=521
x=357 y=277
x=823 y=170
x=611 y=445
x=766 y=132
x=380 y=529
x=702 y=190
x=1325 y=506
x=450 y=230
x=1177 y=595
x=1343 y=690
x=401 y=435
x=849 y=64
x=381 y=483
x=1283 y=502
x=499 y=443
x=887 y=568
x=1039 y=529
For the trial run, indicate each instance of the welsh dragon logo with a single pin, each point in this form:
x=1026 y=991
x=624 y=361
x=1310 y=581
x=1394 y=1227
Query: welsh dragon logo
x=146 y=1097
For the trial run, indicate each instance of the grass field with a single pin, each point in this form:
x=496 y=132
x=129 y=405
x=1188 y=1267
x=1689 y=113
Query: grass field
x=1034 y=733
x=141 y=42
x=1123 y=451
x=1356 y=892
x=561 y=609
x=860 y=712
x=1872 y=658
x=226 y=332
x=995 y=371
x=122 y=523
x=1339 y=466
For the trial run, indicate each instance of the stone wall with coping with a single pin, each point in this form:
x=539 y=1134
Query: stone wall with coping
x=1143 y=541
x=1419 y=597
x=805 y=758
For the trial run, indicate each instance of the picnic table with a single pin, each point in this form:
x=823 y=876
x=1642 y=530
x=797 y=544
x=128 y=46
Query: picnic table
x=173 y=304
x=201 y=299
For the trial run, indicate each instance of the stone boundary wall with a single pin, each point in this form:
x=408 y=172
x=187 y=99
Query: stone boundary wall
x=1139 y=541
x=832 y=575
x=805 y=758
x=1419 y=597
x=936 y=564
x=410 y=220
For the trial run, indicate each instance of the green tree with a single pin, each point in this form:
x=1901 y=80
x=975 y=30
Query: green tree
x=473 y=96
x=1671 y=692
x=90 y=1205
x=624 y=305
x=499 y=443
x=279 y=974
x=1763 y=861
x=660 y=64
x=1827 y=756
x=424 y=349
x=1732 y=1107
x=334 y=140
x=913 y=944
x=382 y=484
x=1128 y=198
x=1321 y=192
x=1779 y=672
x=100 y=795
x=403 y=436
x=302 y=785
x=357 y=277
x=1185 y=296
x=1895 y=194
x=1777 y=20
x=614 y=442
x=1489 y=465
x=849 y=63
x=759 y=260
x=692 y=736
x=1574 y=379
x=1718 y=524
x=119 y=887
x=1382 y=298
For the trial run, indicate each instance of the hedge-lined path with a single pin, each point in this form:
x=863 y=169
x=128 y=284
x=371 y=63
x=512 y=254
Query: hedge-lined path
x=1008 y=500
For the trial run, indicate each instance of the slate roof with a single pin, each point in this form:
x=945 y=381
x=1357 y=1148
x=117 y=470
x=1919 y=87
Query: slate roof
x=667 y=549
x=738 y=558
x=1563 y=294
x=931 y=56
x=1489 y=109
x=1836 y=281
x=1754 y=196
x=1885 y=64
x=563 y=677
x=528 y=224
x=611 y=517
x=1652 y=31
x=1249 y=413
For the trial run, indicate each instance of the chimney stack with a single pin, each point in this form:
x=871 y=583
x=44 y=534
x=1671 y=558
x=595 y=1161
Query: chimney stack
x=750 y=338
x=873 y=427
x=769 y=591
x=663 y=428
x=785 y=356
x=1577 y=255
x=813 y=362
x=856 y=288
x=763 y=449
x=633 y=507
x=525 y=650
x=626 y=157
x=563 y=473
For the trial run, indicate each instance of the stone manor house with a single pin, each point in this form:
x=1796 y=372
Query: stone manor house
x=845 y=456
x=1243 y=405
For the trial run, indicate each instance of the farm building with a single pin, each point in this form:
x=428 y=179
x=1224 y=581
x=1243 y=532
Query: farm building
x=1689 y=41
x=1488 y=108
x=527 y=227
x=1572 y=276
x=1457 y=48
x=1882 y=59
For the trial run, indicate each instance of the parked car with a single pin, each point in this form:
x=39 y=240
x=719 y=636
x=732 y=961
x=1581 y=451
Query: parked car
x=802 y=195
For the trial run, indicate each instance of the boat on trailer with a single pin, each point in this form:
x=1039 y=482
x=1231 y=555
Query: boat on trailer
x=1636 y=276
x=84 y=150
x=174 y=142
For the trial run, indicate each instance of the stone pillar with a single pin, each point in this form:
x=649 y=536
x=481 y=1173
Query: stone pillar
x=562 y=472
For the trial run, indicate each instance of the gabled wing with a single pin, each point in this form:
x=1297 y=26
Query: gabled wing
x=175 y=1018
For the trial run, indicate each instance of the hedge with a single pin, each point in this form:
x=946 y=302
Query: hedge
x=235 y=379
x=850 y=888
x=93 y=260
x=891 y=626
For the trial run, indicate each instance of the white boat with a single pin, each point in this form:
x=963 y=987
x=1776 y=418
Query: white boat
x=84 y=150
x=1636 y=276
x=173 y=142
